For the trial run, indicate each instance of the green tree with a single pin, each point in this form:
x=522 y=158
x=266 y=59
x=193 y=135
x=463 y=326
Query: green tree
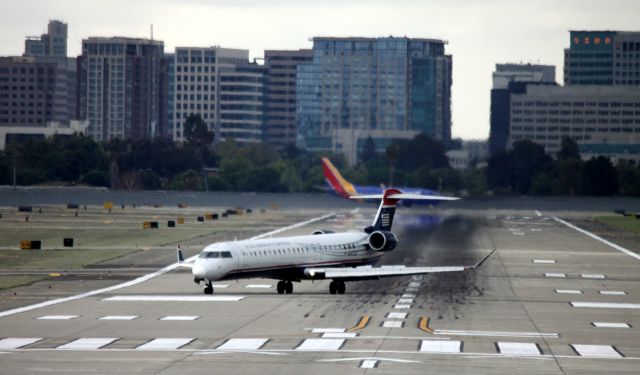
x=569 y=149
x=196 y=132
x=629 y=178
x=598 y=177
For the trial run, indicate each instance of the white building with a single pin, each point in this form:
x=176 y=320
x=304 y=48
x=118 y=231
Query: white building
x=51 y=129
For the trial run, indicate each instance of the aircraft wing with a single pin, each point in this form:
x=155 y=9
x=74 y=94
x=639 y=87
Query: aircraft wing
x=369 y=272
x=409 y=196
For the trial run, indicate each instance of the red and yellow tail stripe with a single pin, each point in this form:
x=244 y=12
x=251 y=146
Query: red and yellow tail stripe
x=335 y=179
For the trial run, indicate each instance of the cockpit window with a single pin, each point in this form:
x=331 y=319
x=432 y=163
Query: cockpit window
x=226 y=254
x=213 y=254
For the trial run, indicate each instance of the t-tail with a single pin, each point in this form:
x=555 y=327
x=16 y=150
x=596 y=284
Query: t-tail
x=333 y=177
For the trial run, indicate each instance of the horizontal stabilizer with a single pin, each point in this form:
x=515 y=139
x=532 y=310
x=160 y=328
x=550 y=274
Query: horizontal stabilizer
x=407 y=196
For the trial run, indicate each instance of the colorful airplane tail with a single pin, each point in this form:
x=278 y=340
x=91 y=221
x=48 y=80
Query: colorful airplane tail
x=341 y=186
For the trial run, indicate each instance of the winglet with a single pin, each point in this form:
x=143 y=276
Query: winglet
x=481 y=261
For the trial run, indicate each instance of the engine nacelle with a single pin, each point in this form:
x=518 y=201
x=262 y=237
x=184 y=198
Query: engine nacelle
x=382 y=241
x=322 y=231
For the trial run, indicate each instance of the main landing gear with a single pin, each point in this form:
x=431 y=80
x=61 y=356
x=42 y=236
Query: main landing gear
x=285 y=286
x=337 y=286
x=208 y=289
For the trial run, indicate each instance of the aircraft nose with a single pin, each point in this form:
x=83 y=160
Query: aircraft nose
x=198 y=270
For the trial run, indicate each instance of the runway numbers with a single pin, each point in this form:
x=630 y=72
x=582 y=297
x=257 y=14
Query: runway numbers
x=397 y=315
x=610 y=325
x=15 y=343
x=242 y=344
x=544 y=261
x=88 y=343
x=119 y=317
x=180 y=317
x=568 y=291
x=592 y=276
x=57 y=317
x=321 y=344
x=440 y=346
x=601 y=351
x=392 y=324
x=606 y=305
x=613 y=292
x=518 y=348
x=165 y=344
x=555 y=274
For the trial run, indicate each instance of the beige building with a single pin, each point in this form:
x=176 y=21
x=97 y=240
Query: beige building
x=603 y=120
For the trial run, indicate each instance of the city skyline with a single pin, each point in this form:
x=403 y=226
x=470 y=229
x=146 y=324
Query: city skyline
x=481 y=36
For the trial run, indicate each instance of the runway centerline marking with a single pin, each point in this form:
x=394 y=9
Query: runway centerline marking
x=592 y=276
x=152 y=298
x=57 y=317
x=518 y=348
x=555 y=274
x=243 y=344
x=613 y=292
x=180 y=317
x=259 y=286
x=610 y=325
x=568 y=291
x=601 y=351
x=598 y=238
x=146 y=277
x=165 y=343
x=544 y=261
x=606 y=305
x=320 y=345
x=119 y=317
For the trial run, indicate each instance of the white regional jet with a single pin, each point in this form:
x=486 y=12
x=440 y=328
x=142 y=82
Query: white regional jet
x=340 y=257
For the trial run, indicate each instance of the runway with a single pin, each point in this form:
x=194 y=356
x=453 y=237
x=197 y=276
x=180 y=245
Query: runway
x=551 y=300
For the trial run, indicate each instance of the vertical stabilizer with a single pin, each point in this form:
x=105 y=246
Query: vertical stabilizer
x=341 y=186
x=386 y=211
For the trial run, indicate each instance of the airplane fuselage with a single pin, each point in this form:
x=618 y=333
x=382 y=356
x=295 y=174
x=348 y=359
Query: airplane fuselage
x=283 y=258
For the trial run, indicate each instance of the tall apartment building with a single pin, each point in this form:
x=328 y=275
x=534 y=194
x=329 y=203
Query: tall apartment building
x=510 y=79
x=122 y=87
x=53 y=43
x=603 y=120
x=384 y=88
x=280 y=99
x=221 y=86
x=602 y=58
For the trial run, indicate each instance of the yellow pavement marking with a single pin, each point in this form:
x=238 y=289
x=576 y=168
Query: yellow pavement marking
x=364 y=320
x=424 y=325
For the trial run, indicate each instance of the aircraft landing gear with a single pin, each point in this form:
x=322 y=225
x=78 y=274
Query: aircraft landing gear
x=284 y=287
x=208 y=289
x=337 y=286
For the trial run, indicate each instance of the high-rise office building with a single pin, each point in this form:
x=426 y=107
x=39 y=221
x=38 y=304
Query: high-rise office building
x=511 y=79
x=280 y=97
x=383 y=88
x=53 y=43
x=222 y=87
x=122 y=87
x=602 y=58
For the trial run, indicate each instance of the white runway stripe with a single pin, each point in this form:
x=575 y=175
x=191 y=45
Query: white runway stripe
x=119 y=317
x=368 y=363
x=601 y=351
x=392 y=324
x=339 y=335
x=321 y=344
x=555 y=274
x=17 y=342
x=544 y=261
x=88 y=343
x=414 y=284
x=610 y=325
x=259 y=286
x=180 y=317
x=606 y=305
x=440 y=346
x=57 y=317
x=152 y=298
x=518 y=348
x=242 y=344
x=592 y=276
x=402 y=306
x=612 y=292
x=568 y=291
x=397 y=315
x=405 y=300
x=408 y=295
x=411 y=289
x=328 y=330
x=451 y=332
x=219 y=286
x=165 y=344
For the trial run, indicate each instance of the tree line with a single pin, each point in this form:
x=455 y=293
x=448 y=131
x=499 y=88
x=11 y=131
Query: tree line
x=199 y=164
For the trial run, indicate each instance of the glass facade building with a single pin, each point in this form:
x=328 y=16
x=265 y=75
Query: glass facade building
x=384 y=88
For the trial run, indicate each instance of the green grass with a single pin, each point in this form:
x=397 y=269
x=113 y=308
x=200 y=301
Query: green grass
x=629 y=223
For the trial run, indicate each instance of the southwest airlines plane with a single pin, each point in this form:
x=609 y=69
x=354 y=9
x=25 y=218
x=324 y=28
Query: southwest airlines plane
x=340 y=257
x=346 y=189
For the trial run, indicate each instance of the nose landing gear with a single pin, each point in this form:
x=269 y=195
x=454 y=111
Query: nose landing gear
x=284 y=286
x=337 y=286
x=208 y=289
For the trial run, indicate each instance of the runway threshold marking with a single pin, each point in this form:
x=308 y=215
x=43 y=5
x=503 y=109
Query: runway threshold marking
x=440 y=346
x=328 y=330
x=600 y=351
x=87 y=343
x=364 y=320
x=423 y=324
x=598 y=238
x=339 y=335
x=397 y=315
x=146 y=277
x=243 y=344
x=165 y=343
x=320 y=345
x=392 y=324
x=518 y=348
x=17 y=342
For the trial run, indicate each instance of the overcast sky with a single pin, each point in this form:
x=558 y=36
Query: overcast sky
x=479 y=33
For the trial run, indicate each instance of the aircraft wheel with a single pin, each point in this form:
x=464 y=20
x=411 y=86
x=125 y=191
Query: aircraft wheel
x=288 y=287
x=332 y=287
x=341 y=287
x=280 y=287
x=208 y=289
